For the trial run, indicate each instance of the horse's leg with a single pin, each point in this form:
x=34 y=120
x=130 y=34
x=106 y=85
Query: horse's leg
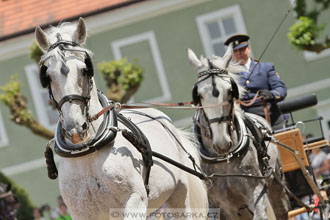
x=260 y=201
x=178 y=203
x=136 y=207
x=278 y=197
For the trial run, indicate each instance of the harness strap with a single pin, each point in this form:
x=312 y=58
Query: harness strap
x=263 y=191
x=70 y=98
x=266 y=111
x=50 y=162
x=220 y=119
x=259 y=143
x=244 y=207
x=140 y=141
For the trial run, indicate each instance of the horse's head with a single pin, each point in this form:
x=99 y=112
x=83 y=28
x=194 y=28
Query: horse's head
x=8 y=203
x=217 y=87
x=66 y=69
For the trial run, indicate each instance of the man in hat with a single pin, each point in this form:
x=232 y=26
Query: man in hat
x=258 y=77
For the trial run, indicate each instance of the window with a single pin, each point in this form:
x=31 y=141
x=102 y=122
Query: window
x=47 y=116
x=217 y=26
x=3 y=134
x=144 y=48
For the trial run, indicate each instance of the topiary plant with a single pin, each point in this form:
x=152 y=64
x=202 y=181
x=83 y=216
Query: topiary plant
x=123 y=78
x=35 y=52
x=304 y=32
x=19 y=112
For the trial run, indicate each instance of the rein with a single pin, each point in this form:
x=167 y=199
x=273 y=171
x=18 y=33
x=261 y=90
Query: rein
x=179 y=105
x=253 y=100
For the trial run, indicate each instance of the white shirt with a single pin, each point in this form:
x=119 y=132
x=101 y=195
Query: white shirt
x=247 y=65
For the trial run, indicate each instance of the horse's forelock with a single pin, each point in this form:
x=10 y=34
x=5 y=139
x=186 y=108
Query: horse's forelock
x=66 y=30
x=233 y=70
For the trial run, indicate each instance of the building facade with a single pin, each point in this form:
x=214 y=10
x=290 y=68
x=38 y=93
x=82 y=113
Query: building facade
x=158 y=33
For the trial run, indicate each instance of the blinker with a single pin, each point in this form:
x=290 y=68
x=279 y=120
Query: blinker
x=215 y=92
x=64 y=69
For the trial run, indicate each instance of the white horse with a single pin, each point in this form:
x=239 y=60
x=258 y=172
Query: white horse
x=101 y=174
x=230 y=141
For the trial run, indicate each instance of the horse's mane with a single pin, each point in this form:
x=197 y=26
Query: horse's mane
x=67 y=32
x=233 y=69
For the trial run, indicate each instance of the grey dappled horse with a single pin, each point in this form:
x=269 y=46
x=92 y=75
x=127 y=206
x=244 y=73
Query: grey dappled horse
x=230 y=141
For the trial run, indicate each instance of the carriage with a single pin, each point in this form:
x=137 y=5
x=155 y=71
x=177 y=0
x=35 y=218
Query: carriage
x=294 y=150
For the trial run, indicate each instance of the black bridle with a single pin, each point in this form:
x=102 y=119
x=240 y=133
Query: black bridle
x=46 y=82
x=221 y=73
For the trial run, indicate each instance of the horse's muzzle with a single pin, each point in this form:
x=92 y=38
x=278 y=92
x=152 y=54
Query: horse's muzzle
x=77 y=136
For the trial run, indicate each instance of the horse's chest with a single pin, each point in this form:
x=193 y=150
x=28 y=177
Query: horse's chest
x=226 y=186
x=99 y=184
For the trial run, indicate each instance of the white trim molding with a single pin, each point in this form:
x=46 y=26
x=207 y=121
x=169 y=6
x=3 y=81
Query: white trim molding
x=219 y=15
x=26 y=166
x=4 y=141
x=38 y=92
x=308 y=88
x=151 y=39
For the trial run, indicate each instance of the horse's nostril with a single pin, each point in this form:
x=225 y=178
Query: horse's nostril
x=66 y=133
x=84 y=126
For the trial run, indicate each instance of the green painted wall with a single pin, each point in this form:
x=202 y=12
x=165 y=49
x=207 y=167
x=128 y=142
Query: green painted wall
x=175 y=32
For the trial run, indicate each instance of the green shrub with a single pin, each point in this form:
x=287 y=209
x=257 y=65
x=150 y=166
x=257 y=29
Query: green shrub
x=304 y=32
x=35 y=52
x=121 y=72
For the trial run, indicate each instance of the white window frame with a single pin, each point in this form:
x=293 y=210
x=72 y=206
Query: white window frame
x=4 y=141
x=202 y=20
x=36 y=91
x=150 y=37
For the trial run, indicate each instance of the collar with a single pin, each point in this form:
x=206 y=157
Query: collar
x=243 y=142
x=248 y=64
x=105 y=136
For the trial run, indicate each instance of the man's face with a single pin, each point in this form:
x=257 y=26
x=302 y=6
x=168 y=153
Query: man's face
x=242 y=55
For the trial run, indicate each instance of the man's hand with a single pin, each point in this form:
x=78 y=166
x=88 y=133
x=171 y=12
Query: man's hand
x=268 y=95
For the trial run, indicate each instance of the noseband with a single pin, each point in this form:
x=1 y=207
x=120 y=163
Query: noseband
x=46 y=82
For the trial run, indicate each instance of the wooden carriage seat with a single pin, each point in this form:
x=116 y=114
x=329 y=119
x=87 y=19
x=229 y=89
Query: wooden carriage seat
x=294 y=176
x=293 y=139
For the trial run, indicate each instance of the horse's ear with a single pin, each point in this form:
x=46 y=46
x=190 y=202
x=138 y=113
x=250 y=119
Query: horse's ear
x=80 y=34
x=193 y=59
x=42 y=39
x=228 y=55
